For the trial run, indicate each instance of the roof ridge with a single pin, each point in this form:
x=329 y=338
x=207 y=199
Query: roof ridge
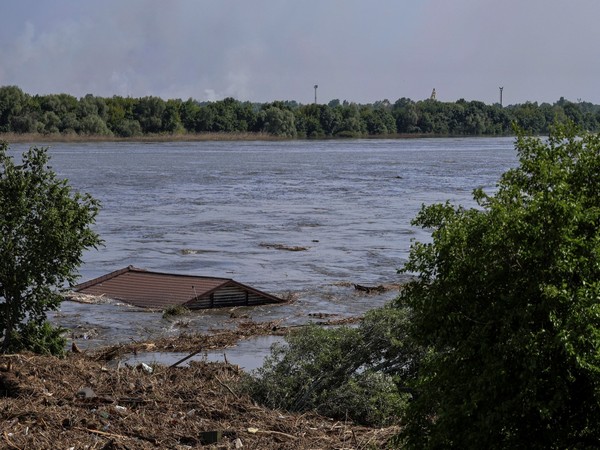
x=171 y=274
x=131 y=268
x=106 y=277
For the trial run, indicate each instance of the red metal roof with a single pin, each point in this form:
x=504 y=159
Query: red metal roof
x=158 y=290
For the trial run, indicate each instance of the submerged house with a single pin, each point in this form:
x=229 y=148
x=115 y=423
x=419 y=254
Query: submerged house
x=158 y=290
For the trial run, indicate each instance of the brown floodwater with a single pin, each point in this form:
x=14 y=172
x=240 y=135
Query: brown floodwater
x=233 y=209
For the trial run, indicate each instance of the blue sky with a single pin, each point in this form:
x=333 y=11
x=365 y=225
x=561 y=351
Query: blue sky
x=265 y=50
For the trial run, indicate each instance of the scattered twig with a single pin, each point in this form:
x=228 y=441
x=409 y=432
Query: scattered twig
x=9 y=442
x=102 y=433
x=276 y=433
x=227 y=387
x=175 y=364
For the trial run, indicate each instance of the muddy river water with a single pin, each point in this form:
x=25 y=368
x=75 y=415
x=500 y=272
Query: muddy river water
x=233 y=209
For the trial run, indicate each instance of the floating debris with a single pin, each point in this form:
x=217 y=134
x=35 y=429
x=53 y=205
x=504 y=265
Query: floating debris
x=321 y=315
x=379 y=289
x=193 y=251
x=289 y=248
x=90 y=299
x=370 y=289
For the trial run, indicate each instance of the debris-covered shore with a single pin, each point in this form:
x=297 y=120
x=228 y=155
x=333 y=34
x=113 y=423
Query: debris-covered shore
x=82 y=402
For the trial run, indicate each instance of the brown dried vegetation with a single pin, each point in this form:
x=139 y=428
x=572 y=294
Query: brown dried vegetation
x=81 y=402
x=218 y=339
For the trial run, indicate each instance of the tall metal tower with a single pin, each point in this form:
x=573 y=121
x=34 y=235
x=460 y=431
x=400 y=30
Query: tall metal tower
x=316 y=86
x=501 y=89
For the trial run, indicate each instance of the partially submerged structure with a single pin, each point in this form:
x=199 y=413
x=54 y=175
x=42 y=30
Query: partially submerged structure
x=158 y=290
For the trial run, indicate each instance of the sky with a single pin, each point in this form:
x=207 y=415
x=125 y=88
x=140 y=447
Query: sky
x=266 y=50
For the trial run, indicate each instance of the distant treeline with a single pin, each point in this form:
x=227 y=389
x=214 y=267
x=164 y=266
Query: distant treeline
x=130 y=117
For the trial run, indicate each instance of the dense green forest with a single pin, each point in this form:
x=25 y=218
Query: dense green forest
x=130 y=117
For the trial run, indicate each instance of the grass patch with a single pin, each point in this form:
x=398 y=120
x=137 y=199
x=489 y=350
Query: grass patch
x=174 y=311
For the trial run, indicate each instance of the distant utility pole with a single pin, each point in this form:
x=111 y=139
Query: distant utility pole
x=316 y=86
x=501 y=89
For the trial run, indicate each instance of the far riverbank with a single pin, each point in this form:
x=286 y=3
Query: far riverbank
x=178 y=137
x=194 y=137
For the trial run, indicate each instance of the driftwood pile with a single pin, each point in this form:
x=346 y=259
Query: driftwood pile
x=218 y=339
x=80 y=402
x=89 y=401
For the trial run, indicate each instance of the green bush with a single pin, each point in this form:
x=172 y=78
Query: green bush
x=370 y=398
x=41 y=339
x=507 y=300
x=357 y=373
x=44 y=229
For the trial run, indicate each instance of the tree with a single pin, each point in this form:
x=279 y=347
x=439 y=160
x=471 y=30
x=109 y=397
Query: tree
x=507 y=299
x=189 y=111
x=246 y=116
x=12 y=101
x=171 y=120
x=378 y=120
x=121 y=117
x=406 y=115
x=278 y=122
x=529 y=117
x=331 y=118
x=44 y=228
x=224 y=115
x=351 y=124
x=50 y=123
x=94 y=125
x=308 y=122
x=149 y=113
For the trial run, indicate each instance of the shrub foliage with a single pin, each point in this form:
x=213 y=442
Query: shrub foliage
x=508 y=302
x=347 y=373
x=44 y=228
